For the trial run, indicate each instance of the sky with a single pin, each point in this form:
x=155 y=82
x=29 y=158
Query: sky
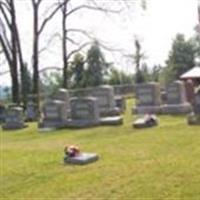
x=155 y=27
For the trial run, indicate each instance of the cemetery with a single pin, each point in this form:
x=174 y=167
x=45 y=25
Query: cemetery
x=123 y=155
x=99 y=100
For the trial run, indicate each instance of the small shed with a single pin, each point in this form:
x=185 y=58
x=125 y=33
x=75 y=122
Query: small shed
x=193 y=74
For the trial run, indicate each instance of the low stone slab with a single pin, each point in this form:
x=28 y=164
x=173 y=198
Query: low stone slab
x=116 y=120
x=110 y=112
x=46 y=129
x=145 y=122
x=81 y=159
x=147 y=109
x=193 y=119
x=177 y=108
x=81 y=123
x=13 y=126
x=52 y=124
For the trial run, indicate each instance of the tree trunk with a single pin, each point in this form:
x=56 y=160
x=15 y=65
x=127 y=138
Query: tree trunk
x=64 y=46
x=15 y=82
x=35 y=55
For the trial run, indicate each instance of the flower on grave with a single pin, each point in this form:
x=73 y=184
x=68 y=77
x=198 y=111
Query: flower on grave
x=71 y=151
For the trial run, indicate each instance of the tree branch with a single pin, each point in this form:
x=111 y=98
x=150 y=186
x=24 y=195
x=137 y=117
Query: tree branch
x=51 y=15
x=80 y=31
x=91 y=8
x=77 y=50
x=71 y=40
x=5 y=16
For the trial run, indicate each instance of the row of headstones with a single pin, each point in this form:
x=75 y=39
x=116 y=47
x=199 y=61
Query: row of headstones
x=98 y=107
x=148 y=100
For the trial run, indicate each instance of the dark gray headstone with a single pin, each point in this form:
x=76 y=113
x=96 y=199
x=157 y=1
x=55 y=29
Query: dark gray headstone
x=176 y=101
x=148 y=98
x=2 y=113
x=106 y=100
x=14 y=118
x=84 y=112
x=54 y=114
x=31 y=111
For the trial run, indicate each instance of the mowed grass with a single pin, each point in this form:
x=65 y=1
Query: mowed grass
x=156 y=163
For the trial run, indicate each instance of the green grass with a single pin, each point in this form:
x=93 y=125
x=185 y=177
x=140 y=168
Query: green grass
x=156 y=163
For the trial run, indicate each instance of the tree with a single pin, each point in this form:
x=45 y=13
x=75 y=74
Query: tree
x=117 y=77
x=96 y=66
x=51 y=82
x=27 y=83
x=181 y=57
x=11 y=45
x=38 y=28
x=67 y=11
x=78 y=72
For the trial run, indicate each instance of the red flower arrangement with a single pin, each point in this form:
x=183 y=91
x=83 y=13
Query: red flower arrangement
x=71 y=151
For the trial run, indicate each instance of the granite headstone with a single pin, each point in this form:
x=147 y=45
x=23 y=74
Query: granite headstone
x=14 y=118
x=148 y=98
x=176 y=101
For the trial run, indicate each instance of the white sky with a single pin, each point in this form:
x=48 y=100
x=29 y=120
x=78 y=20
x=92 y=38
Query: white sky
x=156 y=27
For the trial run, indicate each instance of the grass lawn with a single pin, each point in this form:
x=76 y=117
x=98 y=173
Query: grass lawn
x=156 y=163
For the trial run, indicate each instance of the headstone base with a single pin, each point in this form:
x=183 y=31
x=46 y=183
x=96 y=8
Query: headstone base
x=110 y=112
x=13 y=126
x=147 y=109
x=116 y=120
x=52 y=124
x=177 y=108
x=82 y=159
x=193 y=119
x=81 y=123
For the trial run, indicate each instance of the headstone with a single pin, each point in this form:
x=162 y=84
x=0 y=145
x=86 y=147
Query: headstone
x=176 y=101
x=148 y=98
x=146 y=121
x=2 y=113
x=14 y=118
x=63 y=95
x=81 y=159
x=54 y=115
x=84 y=112
x=120 y=102
x=31 y=111
x=106 y=100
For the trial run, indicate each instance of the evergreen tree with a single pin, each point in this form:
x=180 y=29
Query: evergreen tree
x=78 y=71
x=181 y=57
x=96 y=66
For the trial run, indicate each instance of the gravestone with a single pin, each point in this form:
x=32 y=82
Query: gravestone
x=14 y=118
x=148 y=98
x=84 y=112
x=81 y=159
x=54 y=115
x=194 y=117
x=2 y=112
x=106 y=100
x=120 y=102
x=63 y=95
x=31 y=111
x=176 y=100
